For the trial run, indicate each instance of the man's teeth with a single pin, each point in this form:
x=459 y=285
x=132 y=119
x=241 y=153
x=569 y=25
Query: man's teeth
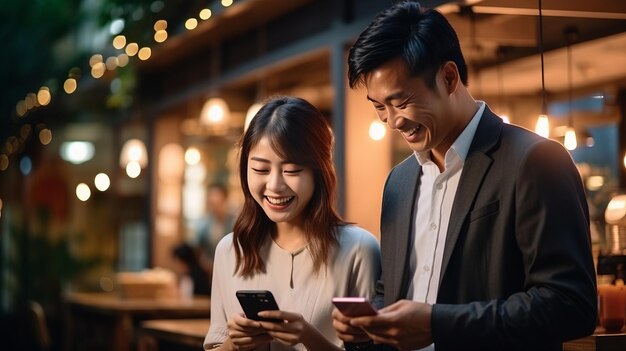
x=410 y=131
x=278 y=200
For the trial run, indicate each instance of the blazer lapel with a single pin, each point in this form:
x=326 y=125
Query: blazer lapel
x=476 y=165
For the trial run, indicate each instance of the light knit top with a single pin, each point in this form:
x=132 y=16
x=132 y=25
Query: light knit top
x=353 y=270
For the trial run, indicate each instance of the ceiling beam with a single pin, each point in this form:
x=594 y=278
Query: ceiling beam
x=500 y=30
x=601 y=9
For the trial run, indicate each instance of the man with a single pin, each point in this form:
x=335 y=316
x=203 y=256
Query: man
x=218 y=221
x=485 y=229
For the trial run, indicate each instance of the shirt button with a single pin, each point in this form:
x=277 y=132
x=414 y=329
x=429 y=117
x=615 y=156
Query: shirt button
x=426 y=268
x=433 y=226
x=439 y=186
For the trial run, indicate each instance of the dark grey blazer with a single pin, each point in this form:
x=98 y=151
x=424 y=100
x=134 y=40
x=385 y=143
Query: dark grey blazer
x=517 y=268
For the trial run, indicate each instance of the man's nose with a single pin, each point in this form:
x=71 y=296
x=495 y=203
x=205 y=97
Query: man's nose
x=394 y=120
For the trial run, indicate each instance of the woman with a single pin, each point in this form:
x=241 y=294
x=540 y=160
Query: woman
x=288 y=237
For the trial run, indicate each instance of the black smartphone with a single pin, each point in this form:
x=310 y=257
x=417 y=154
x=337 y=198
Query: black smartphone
x=255 y=301
x=354 y=306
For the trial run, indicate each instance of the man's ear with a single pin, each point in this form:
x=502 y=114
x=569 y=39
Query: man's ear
x=450 y=76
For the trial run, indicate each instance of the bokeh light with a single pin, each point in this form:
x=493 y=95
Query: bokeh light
x=83 y=193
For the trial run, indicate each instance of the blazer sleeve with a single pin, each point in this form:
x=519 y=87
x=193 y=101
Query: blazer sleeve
x=558 y=300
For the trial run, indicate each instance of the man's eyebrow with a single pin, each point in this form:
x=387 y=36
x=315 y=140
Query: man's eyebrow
x=394 y=96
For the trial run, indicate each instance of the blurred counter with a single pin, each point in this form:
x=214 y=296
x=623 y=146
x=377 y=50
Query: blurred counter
x=107 y=321
x=172 y=334
x=599 y=341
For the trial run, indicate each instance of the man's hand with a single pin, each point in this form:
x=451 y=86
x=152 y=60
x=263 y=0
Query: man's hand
x=347 y=332
x=404 y=325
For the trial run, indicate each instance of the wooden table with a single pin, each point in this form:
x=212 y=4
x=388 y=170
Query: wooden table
x=172 y=334
x=599 y=341
x=106 y=321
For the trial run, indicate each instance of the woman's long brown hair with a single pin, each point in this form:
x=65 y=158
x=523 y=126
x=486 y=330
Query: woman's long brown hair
x=298 y=132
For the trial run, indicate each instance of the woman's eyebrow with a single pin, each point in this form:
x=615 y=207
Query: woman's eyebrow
x=259 y=159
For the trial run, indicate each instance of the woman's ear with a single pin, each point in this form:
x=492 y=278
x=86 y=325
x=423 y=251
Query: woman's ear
x=451 y=76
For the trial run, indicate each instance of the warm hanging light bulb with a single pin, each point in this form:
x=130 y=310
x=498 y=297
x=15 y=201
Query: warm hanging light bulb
x=543 y=126
x=570 y=139
x=134 y=150
x=214 y=112
x=377 y=130
x=214 y=116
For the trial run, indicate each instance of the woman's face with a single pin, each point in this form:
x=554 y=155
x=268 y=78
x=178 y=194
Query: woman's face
x=281 y=187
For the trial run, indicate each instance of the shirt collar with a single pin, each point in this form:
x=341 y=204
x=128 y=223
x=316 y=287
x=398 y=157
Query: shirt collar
x=461 y=145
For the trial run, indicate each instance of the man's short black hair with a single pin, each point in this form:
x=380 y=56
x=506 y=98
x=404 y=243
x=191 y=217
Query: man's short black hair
x=422 y=38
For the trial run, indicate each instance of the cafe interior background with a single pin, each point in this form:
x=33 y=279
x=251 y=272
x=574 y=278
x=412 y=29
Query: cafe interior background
x=115 y=115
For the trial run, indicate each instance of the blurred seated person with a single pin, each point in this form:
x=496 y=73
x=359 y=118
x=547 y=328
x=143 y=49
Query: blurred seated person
x=188 y=265
x=218 y=222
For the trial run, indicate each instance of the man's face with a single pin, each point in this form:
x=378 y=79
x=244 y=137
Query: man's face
x=421 y=114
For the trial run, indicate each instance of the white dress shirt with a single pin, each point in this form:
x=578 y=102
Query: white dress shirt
x=434 y=204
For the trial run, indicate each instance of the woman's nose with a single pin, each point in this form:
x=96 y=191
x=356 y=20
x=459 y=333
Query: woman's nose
x=276 y=181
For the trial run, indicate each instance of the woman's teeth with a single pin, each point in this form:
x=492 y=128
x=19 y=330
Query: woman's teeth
x=278 y=200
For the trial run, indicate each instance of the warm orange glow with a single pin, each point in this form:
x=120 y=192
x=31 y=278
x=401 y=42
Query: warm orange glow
x=70 y=85
x=4 y=162
x=377 y=130
x=543 y=126
x=45 y=136
x=205 y=14
x=570 y=139
x=131 y=49
x=144 y=53
x=30 y=100
x=160 y=25
x=122 y=60
x=191 y=23
x=171 y=163
x=20 y=108
x=111 y=63
x=119 y=41
x=98 y=69
x=134 y=150
x=192 y=156
x=96 y=58
x=160 y=36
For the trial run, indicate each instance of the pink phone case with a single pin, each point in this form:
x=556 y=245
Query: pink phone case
x=354 y=306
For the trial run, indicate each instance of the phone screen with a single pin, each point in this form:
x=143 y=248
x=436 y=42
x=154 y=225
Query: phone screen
x=255 y=301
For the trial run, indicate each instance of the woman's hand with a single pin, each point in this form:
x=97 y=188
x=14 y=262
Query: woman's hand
x=293 y=330
x=246 y=334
